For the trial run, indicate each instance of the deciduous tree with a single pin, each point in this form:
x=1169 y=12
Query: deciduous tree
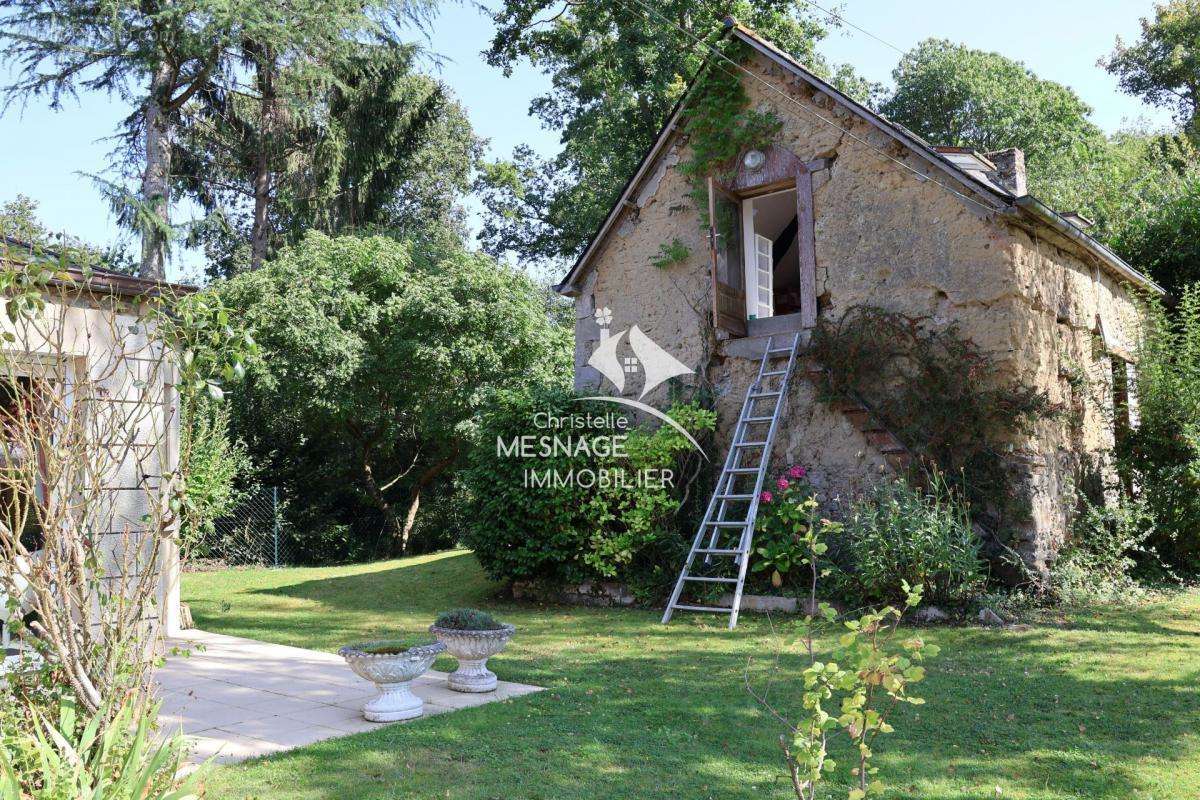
x=377 y=353
x=954 y=95
x=1163 y=66
x=616 y=68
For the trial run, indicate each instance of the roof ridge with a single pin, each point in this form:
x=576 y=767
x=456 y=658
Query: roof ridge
x=1002 y=200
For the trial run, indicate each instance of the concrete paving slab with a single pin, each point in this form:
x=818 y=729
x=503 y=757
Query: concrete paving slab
x=240 y=698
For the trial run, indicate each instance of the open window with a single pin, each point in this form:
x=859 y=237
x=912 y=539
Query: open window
x=770 y=223
x=763 y=259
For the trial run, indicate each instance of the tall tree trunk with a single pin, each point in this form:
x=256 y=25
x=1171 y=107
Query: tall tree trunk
x=156 y=189
x=260 y=235
x=393 y=529
x=414 y=497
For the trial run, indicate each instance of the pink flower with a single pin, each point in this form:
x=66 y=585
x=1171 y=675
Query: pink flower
x=782 y=483
x=766 y=497
x=797 y=472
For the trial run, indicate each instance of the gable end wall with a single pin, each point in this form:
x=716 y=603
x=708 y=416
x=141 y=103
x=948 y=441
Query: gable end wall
x=888 y=239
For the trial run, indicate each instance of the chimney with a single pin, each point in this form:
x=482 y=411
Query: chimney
x=1010 y=170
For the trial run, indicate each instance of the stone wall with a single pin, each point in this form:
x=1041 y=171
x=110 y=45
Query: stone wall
x=888 y=238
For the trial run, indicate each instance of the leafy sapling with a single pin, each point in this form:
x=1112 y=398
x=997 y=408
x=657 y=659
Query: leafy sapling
x=856 y=691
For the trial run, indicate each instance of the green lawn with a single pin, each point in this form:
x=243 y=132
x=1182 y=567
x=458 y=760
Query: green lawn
x=1105 y=704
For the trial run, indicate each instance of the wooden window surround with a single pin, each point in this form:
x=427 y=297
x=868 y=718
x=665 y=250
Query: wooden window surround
x=735 y=254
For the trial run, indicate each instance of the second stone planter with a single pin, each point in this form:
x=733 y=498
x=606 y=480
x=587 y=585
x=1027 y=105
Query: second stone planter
x=472 y=649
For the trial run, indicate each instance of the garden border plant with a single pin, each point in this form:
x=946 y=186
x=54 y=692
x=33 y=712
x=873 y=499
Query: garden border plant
x=471 y=636
x=566 y=534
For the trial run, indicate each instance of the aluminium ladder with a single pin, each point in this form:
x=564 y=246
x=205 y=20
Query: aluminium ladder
x=729 y=519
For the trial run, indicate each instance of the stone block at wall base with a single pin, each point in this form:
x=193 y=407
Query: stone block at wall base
x=761 y=603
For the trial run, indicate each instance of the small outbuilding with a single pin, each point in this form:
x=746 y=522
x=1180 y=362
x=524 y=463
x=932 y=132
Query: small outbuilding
x=840 y=209
x=89 y=442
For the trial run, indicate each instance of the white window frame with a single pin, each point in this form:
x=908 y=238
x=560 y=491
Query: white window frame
x=750 y=257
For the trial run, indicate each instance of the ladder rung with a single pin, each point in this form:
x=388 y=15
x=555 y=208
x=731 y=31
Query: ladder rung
x=709 y=580
x=718 y=551
x=735 y=497
x=714 y=609
x=749 y=444
x=783 y=351
x=725 y=523
x=743 y=470
x=775 y=372
x=757 y=419
x=757 y=395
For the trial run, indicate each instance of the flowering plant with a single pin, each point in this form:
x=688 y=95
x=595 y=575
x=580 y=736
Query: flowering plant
x=869 y=673
x=786 y=514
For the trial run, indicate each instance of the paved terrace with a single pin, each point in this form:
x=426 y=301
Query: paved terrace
x=240 y=698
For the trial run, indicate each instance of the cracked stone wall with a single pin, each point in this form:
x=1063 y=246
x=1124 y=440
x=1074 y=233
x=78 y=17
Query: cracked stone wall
x=887 y=238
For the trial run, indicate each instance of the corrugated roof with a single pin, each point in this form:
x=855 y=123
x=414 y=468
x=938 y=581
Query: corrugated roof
x=106 y=280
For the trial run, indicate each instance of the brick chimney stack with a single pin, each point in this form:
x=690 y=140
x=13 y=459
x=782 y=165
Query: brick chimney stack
x=1010 y=170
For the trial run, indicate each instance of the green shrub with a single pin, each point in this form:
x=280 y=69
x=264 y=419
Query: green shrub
x=1096 y=562
x=50 y=752
x=784 y=517
x=467 y=619
x=377 y=355
x=900 y=535
x=212 y=463
x=1160 y=456
x=568 y=532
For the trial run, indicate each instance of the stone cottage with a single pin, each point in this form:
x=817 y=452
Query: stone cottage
x=844 y=208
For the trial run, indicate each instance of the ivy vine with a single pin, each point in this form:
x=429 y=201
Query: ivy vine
x=720 y=125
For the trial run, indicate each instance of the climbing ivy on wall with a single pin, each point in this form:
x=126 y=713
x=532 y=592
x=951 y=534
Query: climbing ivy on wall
x=720 y=125
x=944 y=398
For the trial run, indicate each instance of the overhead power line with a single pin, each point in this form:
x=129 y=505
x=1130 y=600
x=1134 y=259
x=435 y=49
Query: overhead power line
x=850 y=24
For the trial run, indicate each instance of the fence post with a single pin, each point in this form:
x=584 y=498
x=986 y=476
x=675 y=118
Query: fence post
x=275 y=520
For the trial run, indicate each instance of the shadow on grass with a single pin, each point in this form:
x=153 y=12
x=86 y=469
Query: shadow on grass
x=1103 y=708
x=422 y=584
x=679 y=726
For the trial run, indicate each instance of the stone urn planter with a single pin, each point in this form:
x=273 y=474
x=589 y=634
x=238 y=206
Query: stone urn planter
x=392 y=667
x=472 y=637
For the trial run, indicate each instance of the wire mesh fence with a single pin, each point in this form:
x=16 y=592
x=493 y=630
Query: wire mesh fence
x=267 y=529
x=253 y=533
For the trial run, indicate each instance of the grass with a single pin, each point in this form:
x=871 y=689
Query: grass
x=1103 y=704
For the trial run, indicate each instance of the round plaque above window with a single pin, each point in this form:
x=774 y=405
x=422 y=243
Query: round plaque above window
x=754 y=160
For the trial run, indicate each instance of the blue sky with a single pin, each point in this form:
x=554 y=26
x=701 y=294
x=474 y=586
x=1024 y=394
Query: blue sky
x=46 y=152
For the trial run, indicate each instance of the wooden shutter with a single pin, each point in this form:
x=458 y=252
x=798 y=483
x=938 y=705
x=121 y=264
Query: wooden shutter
x=725 y=240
